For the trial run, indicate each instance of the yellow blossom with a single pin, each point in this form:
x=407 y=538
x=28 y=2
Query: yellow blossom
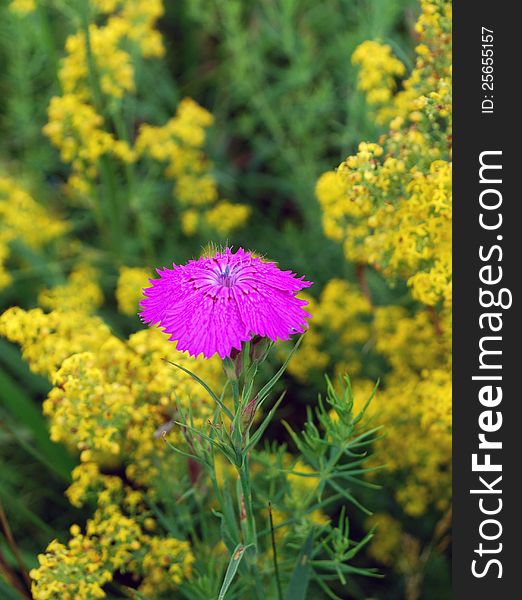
x=131 y=281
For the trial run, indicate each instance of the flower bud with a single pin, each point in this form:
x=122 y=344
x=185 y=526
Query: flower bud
x=233 y=365
x=249 y=413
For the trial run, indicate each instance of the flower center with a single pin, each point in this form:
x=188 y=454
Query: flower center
x=226 y=278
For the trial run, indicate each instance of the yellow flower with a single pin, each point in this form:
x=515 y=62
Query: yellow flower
x=390 y=207
x=24 y=220
x=378 y=71
x=22 y=7
x=81 y=292
x=226 y=217
x=131 y=281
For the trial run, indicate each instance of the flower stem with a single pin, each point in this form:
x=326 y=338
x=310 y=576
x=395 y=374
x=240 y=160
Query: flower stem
x=246 y=490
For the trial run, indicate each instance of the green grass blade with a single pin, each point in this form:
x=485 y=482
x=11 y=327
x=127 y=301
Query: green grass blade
x=24 y=411
x=7 y=592
x=298 y=586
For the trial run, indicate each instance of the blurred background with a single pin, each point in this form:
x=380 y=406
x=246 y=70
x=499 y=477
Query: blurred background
x=133 y=134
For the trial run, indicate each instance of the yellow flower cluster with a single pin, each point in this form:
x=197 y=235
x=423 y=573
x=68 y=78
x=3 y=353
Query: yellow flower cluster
x=47 y=339
x=113 y=65
x=131 y=281
x=99 y=65
x=92 y=400
x=110 y=398
x=22 y=7
x=76 y=129
x=98 y=62
x=166 y=564
x=402 y=189
x=136 y=19
x=114 y=402
x=417 y=415
x=75 y=570
x=379 y=70
x=390 y=204
x=96 y=74
x=226 y=217
x=409 y=238
x=179 y=144
x=81 y=292
x=414 y=402
x=186 y=129
x=24 y=220
x=412 y=343
x=339 y=328
x=114 y=541
x=106 y=46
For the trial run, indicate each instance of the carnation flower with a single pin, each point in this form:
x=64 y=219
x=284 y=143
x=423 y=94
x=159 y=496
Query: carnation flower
x=213 y=304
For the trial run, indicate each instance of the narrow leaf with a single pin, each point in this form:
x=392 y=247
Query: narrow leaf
x=264 y=390
x=24 y=410
x=266 y=421
x=212 y=394
x=298 y=586
x=233 y=565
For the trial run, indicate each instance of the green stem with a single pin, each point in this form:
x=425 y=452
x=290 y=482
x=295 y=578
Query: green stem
x=235 y=394
x=106 y=169
x=219 y=496
x=122 y=131
x=51 y=52
x=246 y=490
x=274 y=553
x=248 y=525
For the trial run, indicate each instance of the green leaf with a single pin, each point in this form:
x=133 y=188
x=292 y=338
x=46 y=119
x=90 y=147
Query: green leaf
x=233 y=565
x=212 y=394
x=229 y=527
x=185 y=454
x=266 y=389
x=23 y=410
x=12 y=503
x=298 y=586
x=367 y=403
x=10 y=356
x=349 y=497
x=250 y=379
x=9 y=593
x=210 y=440
x=266 y=421
x=295 y=438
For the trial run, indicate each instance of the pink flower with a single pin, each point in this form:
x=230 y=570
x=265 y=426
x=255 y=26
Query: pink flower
x=214 y=304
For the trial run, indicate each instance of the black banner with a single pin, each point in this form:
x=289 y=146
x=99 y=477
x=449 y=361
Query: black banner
x=486 y=248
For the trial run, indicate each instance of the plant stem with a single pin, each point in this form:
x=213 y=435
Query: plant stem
x=250 y=523
x=219 y=496
x=116 y=215
x=274 y=552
